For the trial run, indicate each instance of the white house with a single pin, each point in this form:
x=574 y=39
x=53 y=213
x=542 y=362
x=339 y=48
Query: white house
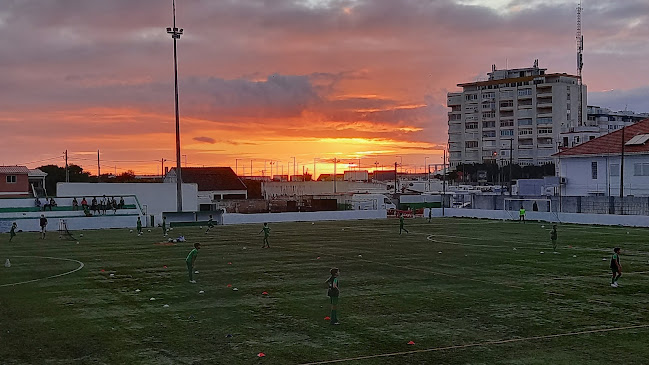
x=597 y=167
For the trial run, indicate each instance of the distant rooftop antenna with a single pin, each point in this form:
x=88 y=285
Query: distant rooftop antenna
x=580 y=64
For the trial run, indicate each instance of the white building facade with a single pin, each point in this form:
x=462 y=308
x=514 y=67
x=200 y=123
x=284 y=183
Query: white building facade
x=515 y=115
x=597 y=167
x=600 y=121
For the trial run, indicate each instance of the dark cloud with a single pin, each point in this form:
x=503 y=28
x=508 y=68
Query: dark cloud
x=205 y=139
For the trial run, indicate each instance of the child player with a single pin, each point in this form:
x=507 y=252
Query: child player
x=139 y=226
x=266 y=231
x=333 y=294
x=616 y=268
x=553 y=237
x=12 y=232
x=210 y=224
x=191 y=260
x=43 y=224
x=401 y=227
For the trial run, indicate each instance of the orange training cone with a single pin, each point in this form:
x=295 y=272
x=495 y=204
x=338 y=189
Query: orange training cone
x=411 y=343
x=261 y=354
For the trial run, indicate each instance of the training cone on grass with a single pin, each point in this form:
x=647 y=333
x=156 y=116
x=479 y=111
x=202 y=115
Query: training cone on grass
x=264 y=293
x=229 y=285
x=411 y=343
x=261 y=354
x=327 y=318
x=7 y=263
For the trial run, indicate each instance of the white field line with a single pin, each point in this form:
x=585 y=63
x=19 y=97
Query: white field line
x=481 y=344
x=49 y=277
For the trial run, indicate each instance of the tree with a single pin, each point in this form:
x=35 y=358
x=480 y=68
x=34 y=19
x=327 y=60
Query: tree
x=56 y=174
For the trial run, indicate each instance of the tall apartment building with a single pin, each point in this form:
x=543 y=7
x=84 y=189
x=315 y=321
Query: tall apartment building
x=519 y=110
x=600 y=121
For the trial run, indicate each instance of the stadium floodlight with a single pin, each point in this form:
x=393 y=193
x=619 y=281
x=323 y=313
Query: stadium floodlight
x=175 y=34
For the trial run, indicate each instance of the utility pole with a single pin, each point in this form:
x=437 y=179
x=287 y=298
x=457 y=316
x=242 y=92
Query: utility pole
x=175 y=35
x=98 y=167
x=622 y=166
x=162 y=171
x=395 y=177
x=67 y=172
x=443 y=182
x=334 y=177
x=294 y=167
x=511 y=160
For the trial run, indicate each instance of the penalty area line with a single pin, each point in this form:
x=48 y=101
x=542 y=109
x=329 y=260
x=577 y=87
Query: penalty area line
x=480 y=344
x=49 y=277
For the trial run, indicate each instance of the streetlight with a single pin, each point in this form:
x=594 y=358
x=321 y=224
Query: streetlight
x=175 y=35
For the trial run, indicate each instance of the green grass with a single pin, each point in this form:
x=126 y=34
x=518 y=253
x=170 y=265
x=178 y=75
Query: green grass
x=490 y=283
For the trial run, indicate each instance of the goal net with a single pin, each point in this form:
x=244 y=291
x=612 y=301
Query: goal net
x=63 y=230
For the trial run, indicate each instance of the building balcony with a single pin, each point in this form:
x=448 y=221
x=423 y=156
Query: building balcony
x=507 y=108
x=544 y=93
x=524 y=97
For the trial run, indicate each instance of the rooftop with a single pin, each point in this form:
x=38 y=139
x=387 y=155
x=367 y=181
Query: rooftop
x=211 y=178
x=612 y=143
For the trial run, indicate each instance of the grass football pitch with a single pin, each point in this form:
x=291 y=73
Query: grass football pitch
x=464 y=291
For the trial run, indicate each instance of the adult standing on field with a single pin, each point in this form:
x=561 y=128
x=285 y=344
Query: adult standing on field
x=43 y=224
x=333 y=293
x=191 y=261
x=164 y=226
x=521 y=214
x=139 y=226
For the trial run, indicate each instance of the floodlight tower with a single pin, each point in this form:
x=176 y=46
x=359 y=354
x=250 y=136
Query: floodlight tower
x=175 y=35
x=580 y=65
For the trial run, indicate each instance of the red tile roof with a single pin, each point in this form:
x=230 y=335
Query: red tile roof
x=212 y=178
x=14 y=170
x=612 y=143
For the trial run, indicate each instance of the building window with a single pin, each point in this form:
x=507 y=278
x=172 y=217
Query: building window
x=11 y=179
x=455 y=117
x=471 y=97
x=488 y=95
x=641 y=169
x=523 y=132
x=472 y=125
x=593 y=170
x=489 y=134
x=545 y=130
x=506 y=104
x=490 y=124
x=545 y=120
x=525 y=121
x=507 y=132
x=614 y=169
x=471 y=144
x=506 y=123
x=524 y=92
x=486 y=115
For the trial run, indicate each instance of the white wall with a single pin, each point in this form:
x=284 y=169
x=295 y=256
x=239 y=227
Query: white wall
x=157 y=197
x=577 y=171
x=576 y=218
x=235 y=218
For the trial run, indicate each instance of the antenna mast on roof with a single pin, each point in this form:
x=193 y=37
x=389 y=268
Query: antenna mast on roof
x=580 y=65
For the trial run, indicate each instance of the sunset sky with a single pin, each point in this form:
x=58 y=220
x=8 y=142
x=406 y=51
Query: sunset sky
x=269 y=80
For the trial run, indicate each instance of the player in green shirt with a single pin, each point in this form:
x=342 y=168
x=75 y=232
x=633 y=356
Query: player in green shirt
x=191 y=260
x=333 y=292
x=12 y=232
x=210 y=224
x=553 y=237
x=401 y=227
x=139 y=226
x=266 y=231
x=616 y=268
x=521 y=214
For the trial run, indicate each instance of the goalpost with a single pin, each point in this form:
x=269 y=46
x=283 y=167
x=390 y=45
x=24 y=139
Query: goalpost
x=513 y=205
